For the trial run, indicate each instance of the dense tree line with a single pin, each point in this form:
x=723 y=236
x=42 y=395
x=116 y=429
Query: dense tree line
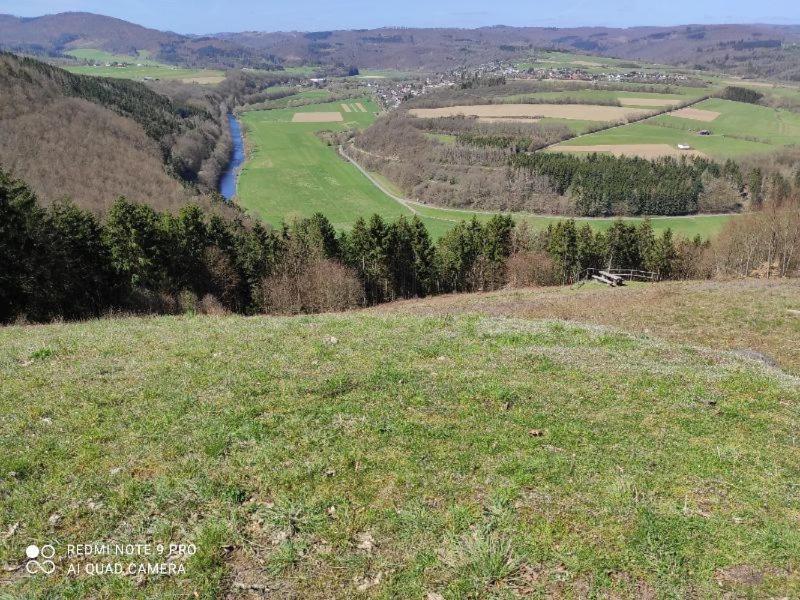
x=741 y=94
x=604 y=185
x=62 y=262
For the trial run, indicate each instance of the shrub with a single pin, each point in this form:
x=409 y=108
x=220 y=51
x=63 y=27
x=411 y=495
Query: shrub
x=209 y=305
x=321 y=286
x=525 y=269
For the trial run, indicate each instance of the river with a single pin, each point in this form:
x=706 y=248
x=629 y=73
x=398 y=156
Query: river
x=227 y=183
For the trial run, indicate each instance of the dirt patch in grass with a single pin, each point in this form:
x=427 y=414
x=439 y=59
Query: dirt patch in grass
x=360 y=107
x=583 y=112
x=346 y=108
x=317 y=117
x=649 y=101
x=648 y=151
x=695 y=114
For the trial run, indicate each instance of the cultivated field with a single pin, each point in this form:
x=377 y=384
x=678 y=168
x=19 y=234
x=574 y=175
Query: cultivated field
x=139 y=67
x=648 y=151
x=290 y=173
x=317 y=117
x=695 y=114
x=737 y=129
x=586 y=112
x=414 y=455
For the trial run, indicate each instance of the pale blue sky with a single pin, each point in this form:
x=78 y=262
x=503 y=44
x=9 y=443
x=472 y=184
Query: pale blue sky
x=207 y=16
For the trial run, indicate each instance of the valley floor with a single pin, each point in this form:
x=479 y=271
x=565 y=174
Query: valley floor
x=513 y=444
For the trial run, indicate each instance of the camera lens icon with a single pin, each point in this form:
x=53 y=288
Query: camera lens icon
x=34 y=566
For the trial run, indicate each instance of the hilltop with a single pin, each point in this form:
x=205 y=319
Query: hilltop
x=414 y=455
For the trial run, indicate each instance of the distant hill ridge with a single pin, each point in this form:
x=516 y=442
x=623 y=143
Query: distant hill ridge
x=52 y=35
x=756 y=50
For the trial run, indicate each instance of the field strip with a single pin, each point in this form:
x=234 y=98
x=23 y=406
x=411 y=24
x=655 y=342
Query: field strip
x=583 y=112
x=317 y=117
x=508 y=119
x=360 y=107
x=619 y=125
x=761 y=84
x=648 y=151
x=346 y=108
x=650 y=101
x=695 y=114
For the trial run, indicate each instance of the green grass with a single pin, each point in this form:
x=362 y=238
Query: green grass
x=740 y=130
x=396 y=456
x=706 y=226
x=679 y=95
x=291 y=172
x=148 y=69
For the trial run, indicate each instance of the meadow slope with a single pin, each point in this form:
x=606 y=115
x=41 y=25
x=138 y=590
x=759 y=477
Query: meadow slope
x=407 y=455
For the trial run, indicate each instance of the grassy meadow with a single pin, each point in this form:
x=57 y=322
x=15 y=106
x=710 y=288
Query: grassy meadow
x=138 y=67
x=290 y=173
x=402 y=455
x=740 y=129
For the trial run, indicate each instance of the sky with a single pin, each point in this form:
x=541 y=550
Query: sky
x=213 y=16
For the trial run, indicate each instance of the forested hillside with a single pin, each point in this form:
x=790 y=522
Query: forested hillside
x=95 y=139
x=53 y=35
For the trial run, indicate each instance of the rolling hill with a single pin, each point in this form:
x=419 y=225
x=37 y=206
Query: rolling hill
x=93 y=139
x=413 y=454
x=55 y=35
x=747 y=50
x=750 y=50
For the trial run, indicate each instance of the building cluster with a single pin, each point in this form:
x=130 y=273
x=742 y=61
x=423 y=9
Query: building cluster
x=391 y=94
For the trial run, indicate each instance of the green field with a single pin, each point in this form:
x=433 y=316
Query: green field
x=740 y=130
x=137 y=67
x=368 y=455
x=677 y=94
x=291 y=173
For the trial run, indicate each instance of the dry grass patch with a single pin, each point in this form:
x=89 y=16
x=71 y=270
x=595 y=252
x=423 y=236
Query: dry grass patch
x=583 y=112
x=695 y=114
x=753 y=315
x=760 y=84
x=317 y=117
x=648 y=151
x=346 y=108
x=360 y=107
